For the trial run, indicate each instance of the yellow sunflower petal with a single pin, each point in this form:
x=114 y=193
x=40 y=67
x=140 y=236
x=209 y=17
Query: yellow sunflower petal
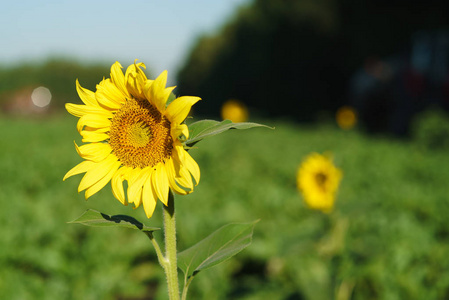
x=131 y=178
x=94 y=151
x=135 y=80
x=109 y=95
x=97 y=172
x=149 y=197
x=184 y=166
x=80 y=110
x=167 y=92
x=171 y=178
x=98 y=130
x=130 y=175
x=82 y=167
x=102 y=182
x=182 y=175
x=178 y=110
x=118 y=78
x=147 y=87
x=139 y=176
x=94 y=121
x=157 y=93
x=160 y=183
x=117 y=185
x=93 y=136
x=178 y=152
x=185 y=179
x=193 y=167
x=179 y=129
x=87 y=96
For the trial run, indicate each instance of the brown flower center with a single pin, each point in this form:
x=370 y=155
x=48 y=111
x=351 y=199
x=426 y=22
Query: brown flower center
x=321 y=179
x=140 y=134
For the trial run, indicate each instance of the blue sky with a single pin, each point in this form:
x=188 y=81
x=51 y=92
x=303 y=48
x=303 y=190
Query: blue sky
x=157 y=32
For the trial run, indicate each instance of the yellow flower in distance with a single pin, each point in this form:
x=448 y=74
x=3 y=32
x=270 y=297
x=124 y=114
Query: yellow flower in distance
x=346 y=117
x=131 y=134
x=318 y=180
x=235 y=111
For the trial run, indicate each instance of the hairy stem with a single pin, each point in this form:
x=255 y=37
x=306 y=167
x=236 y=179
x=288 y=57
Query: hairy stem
x=170 y=263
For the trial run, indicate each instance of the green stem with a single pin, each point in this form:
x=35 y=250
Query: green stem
x=159 y=254
x=186 y=288
x=170 y=263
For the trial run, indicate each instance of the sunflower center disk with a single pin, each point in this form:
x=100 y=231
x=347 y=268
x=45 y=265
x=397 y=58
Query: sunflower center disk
x=140 y=135
x=321 y=179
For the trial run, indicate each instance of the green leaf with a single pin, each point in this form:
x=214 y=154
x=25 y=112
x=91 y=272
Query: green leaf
x=206 y=128
x=98 y=219
x=216 y=248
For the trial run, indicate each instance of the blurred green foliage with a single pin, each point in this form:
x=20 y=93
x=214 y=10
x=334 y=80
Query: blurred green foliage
x=387 y=239
x=431 y=129
x=58 y=75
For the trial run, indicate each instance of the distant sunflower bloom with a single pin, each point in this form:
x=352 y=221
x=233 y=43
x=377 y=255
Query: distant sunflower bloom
x=235 y=111
x=318 y=180
x=131 y=134
x=346 y=117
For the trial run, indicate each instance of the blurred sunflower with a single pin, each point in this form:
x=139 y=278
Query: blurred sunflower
x=132 y=135
x=346 y=117
x=318 y=180
x=235 y=111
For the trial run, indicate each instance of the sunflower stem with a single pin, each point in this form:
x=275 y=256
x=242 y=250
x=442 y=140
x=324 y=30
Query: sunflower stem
x=170 y=263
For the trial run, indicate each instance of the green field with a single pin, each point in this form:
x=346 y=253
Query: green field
x=388 y=237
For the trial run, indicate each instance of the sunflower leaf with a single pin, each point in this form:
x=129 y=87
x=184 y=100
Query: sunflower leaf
x=221 y=245
x=206 y=128
x=97 y=219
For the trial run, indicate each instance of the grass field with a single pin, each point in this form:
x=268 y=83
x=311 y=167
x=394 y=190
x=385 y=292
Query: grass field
x=388 y=237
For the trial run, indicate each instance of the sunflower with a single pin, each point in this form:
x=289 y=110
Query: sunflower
x=235 y=111
x=318 y=180
x=130 y=133
x=346 y=117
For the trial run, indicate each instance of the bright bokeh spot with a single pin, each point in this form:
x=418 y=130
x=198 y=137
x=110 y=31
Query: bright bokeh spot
x=235 y=111
x=346 y=117
x=41 y=96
